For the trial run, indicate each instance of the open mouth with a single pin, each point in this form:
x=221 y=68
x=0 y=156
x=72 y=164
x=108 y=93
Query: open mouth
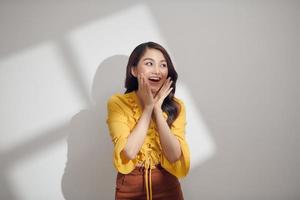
x=154 y=79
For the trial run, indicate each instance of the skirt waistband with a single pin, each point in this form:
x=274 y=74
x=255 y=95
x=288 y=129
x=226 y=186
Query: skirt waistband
x=139 y=170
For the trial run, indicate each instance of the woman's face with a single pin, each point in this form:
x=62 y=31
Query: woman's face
x=154 y=67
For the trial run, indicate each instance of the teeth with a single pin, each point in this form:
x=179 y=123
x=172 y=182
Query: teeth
x=154 y=78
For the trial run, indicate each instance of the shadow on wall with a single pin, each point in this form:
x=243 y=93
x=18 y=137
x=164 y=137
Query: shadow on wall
x=89 y=172
x=5 y=190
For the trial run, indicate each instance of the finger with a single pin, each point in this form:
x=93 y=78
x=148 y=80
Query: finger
x=147 y=86
x=166 y=85
x=148 y=90
x=162 y=88
x=168 y=92
x=169 y=83
x=139 y=81
x=142 y=82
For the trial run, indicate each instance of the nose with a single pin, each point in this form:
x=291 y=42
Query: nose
x=156 y=69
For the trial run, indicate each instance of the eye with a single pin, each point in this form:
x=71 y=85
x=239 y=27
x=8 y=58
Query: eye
x=149 y=63
x=163 y=65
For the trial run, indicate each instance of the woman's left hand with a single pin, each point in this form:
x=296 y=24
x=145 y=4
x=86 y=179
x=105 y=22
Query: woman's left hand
x=163 y=93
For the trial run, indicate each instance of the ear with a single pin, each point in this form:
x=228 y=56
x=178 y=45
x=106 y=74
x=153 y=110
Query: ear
x=134 y=71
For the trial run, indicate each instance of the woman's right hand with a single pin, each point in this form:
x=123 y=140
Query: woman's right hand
x=144 y=92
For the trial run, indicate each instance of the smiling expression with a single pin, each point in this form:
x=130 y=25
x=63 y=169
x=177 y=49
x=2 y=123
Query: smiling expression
x=154 y=67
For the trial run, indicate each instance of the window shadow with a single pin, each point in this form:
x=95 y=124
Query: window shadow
x=89 y=169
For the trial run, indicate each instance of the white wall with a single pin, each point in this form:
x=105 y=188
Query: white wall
x=238 y=65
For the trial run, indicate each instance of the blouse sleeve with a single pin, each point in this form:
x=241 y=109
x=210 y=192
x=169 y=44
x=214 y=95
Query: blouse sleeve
x=119 y=131
x=179 y=168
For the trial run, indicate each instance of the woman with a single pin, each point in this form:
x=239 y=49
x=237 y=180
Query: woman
x=147 y=127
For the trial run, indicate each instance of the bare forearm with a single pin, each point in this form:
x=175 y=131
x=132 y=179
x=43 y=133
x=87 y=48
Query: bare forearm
x=136 y=139
x=170 y=144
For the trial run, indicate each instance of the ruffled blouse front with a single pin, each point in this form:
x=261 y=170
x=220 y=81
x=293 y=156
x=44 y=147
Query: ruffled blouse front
x=124 y=111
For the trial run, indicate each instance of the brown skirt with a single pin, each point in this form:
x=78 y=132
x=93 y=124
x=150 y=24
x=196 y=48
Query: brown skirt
x=132 y=186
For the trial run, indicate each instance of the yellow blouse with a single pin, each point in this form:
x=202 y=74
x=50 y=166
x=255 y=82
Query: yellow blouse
x=124 y=112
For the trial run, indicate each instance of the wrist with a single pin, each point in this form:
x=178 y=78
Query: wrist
x=157 y=109
x=148 y=108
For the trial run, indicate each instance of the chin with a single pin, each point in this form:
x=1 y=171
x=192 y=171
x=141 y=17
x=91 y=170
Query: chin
x=154 y=90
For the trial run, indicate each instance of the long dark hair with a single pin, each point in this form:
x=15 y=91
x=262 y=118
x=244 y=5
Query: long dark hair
x=170 y=106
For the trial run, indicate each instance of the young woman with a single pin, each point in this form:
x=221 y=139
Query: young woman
x=147 y=127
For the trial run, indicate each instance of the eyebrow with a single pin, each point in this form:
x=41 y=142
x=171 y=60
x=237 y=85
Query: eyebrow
x=153 y=59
